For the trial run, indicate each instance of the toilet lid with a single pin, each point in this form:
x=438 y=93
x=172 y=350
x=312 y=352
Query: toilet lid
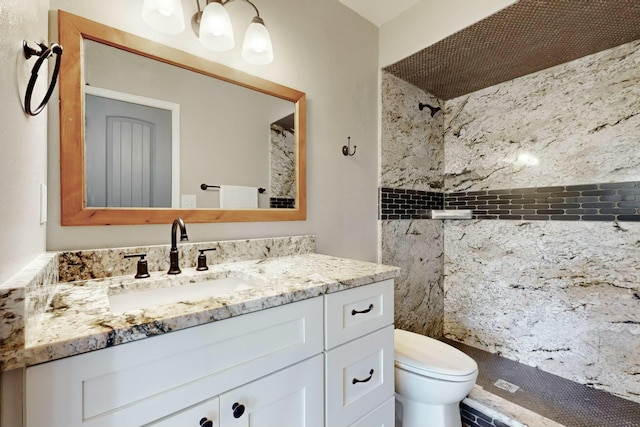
x=419 y=353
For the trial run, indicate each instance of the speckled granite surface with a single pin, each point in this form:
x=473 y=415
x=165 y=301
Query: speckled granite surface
x=411 y=157
x=79 y=317
x=28 y=292
x=563 y=296
x=504 y=411
x=101 y=263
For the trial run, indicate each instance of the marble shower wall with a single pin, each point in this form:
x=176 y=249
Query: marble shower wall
x=576 y=123
x=412 y=158
x=282 y=161
x=560 y=295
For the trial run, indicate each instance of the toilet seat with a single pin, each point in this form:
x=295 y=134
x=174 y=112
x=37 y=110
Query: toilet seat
x=432 y=358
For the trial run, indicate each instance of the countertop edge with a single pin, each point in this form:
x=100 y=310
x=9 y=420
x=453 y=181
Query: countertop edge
x=102 y=333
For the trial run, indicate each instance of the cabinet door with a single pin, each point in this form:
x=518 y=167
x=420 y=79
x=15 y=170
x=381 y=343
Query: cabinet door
x=204 y=414
x=292 y=397
x=382 y=416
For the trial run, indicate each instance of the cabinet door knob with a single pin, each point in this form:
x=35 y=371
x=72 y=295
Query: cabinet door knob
x=205 y=422
x=356 y=381
x=354 y=312
x=238 y=410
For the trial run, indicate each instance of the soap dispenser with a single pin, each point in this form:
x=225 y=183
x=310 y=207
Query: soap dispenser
x=202 y=259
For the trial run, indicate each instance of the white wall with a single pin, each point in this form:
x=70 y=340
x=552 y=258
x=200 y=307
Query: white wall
x=319 y=49
x=23 y=162
x=23 y=158
x=429 y=22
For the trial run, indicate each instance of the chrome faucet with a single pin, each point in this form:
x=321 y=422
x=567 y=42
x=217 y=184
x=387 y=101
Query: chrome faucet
x=174 y=267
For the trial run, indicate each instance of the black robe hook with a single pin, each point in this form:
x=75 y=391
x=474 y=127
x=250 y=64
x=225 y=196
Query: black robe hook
x=347 y=148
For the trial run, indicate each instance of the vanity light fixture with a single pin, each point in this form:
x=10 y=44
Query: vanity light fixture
x=165 y=16
x=213 y=27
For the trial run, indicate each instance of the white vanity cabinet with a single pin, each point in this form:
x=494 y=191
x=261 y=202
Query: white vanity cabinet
x=205 y=414
x=359 y=356
x=177 y=379
x=290 y=397
x=326 y=361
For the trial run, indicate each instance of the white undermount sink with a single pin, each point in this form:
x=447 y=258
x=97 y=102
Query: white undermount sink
x=136 y=299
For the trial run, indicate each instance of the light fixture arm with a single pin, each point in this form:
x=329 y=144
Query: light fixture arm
x=197 y=17
x=224 y=3
x=254 y=7
x=217 y=34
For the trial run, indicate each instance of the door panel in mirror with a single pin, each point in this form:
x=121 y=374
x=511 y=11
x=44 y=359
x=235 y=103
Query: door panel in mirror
x=128 y=154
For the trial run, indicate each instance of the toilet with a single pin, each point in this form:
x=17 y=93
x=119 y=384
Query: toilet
x=431 y=379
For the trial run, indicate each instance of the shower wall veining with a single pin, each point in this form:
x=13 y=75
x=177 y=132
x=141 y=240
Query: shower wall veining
x=553 y=284
x=560 y=295
x=412 y=159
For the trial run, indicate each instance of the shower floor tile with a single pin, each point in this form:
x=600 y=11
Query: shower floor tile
x=556 y=398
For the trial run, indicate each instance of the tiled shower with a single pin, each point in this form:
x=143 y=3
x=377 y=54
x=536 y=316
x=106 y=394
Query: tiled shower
x=545 y=273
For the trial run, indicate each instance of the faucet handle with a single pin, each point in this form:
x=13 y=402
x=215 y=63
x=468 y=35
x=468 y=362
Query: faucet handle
x=143 y=270
x=202 y=259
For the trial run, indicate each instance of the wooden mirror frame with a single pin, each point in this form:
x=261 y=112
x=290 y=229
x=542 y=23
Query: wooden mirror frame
x=72 y=31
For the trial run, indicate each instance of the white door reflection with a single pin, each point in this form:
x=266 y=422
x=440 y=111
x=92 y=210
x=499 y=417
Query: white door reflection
x=132 y=150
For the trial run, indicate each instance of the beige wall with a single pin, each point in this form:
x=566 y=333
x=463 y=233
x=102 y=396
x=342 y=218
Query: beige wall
x=429 y=22
x=23 y=159
x=319 y=49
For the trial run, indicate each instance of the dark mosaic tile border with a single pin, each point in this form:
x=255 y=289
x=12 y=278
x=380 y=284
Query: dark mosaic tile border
x=400 y=203
x=616 y=201
x=471 y=417
x=282 y=203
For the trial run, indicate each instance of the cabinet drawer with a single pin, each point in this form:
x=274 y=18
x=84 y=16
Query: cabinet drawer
x=355 y=312
x=382 y=416
x=137 y=383
x=359 y=377
x=191 y=417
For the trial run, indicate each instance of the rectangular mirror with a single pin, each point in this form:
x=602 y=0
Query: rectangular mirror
x=146 y=128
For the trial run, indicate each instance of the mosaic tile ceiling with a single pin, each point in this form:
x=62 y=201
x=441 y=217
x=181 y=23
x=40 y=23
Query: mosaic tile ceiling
x=526 y=37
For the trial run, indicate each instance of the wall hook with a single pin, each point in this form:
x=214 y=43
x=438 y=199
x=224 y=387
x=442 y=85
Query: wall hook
x=347 y=148
x=433 y=110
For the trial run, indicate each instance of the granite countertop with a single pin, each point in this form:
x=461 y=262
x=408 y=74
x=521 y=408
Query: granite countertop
x=79 y=318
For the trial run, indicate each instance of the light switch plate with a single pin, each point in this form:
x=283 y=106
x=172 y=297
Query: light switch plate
x=188 y=201
x=43 y=203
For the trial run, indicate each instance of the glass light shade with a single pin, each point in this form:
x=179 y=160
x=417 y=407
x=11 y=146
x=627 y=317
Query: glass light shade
x=256 y=47
x=216 y=32
x=165 y=16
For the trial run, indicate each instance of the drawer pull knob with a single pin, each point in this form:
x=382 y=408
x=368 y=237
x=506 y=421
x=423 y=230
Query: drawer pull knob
x=354 y=312
x=205 y=422
x=238 y=410
x=356 y=381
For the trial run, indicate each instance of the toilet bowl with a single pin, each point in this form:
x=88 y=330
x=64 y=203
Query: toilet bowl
x=431 y=379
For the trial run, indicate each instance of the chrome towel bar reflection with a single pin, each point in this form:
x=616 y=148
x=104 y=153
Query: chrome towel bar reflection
x=205 y=187
x=43 y=54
